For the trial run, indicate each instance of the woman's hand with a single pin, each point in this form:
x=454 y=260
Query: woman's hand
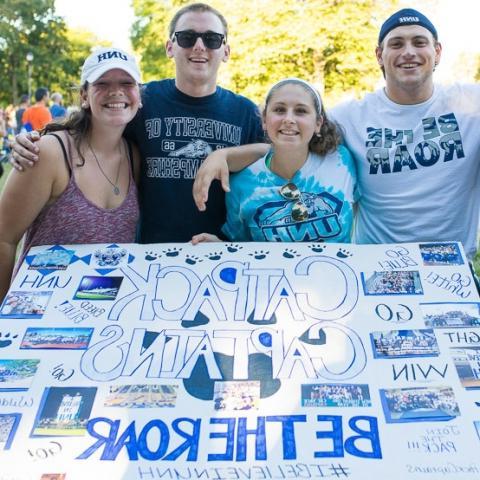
x=217 y=166
x=24 y=150
x=213 y=167
x=204 y=237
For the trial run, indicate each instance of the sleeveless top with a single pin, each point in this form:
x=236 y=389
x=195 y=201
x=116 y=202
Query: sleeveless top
x=72 y=218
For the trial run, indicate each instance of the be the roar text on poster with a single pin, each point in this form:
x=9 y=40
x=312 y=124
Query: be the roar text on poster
x=241 y=361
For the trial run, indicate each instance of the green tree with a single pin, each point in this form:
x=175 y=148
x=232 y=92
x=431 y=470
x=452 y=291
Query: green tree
x=328 y=42
x=79 y=45
x=149 y=33
x=28 y=27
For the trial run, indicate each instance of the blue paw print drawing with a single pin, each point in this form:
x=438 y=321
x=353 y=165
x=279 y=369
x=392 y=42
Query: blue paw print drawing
x=290 y=253
x=192 y=259
x=214 y=256
x=6 y=340
x=172 y=252
x=259 y=254
x=151 y=256
x=317 y=247
x=343 y=253
x=234 y=247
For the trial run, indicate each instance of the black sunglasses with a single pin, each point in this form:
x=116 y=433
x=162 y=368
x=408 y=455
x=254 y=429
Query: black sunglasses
x=188 y=38
x=299 y=210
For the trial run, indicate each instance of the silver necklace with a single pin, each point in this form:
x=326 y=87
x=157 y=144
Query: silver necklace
x=116 y=190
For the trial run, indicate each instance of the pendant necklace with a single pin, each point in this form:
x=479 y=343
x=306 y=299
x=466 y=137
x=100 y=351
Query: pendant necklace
x=116 y=190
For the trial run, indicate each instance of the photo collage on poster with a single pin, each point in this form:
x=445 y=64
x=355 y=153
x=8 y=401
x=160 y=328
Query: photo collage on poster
x=97 y=338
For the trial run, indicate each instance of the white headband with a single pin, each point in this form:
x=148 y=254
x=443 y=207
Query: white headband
x=303 y=82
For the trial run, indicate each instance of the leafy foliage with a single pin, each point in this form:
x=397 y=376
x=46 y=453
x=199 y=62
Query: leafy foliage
x=28 y=28
x=33 y=27
x=149 y=33
x=79 y=44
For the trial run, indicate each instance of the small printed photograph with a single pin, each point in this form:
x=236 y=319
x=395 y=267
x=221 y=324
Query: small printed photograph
x=336 y=395
x=441 y=254
x=98 y=288
x=56 y=338
x=16 y=375
x=476 y=423
x=142 y=396
x=395 y=282
x=451 y=314
x=53 y=476
x=419 y=404
x=8 y=426
x=52 y=260
x=236 y=395
x=404 y=343
x=25 y=304
x=64 y=411
x=467 y=364
x=110 y=257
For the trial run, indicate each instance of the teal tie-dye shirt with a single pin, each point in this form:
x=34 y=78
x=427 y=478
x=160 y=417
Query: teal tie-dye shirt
x=256 y=211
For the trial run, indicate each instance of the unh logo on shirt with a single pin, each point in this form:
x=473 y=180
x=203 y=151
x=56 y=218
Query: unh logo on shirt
x=275 y=220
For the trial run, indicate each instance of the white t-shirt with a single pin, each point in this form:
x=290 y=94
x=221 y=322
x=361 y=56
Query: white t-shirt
x=418 y=166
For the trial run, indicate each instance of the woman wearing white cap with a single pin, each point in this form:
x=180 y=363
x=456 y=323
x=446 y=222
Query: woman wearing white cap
x=83 y=191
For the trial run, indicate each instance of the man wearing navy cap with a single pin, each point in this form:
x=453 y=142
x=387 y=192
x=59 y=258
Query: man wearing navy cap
x=416 y=144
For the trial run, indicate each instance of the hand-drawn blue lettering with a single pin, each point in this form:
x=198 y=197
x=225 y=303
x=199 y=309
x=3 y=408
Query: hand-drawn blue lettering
x=409 y=372
x=44 y=282
x=260 y=291
x=456 y=284
x=347 y=298
x=370 y=435
x=462 y=337
x=402 y=314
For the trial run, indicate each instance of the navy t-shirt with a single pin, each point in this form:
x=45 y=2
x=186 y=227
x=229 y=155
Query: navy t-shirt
x=174 y=133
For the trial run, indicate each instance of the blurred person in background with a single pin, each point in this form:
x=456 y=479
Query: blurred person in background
x=38 y=115
x=22 y=106
x=57 y=109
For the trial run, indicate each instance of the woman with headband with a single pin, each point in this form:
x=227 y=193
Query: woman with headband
x=83 y=191
x=303 y=189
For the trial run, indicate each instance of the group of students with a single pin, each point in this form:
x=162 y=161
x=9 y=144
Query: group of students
x=304 y=185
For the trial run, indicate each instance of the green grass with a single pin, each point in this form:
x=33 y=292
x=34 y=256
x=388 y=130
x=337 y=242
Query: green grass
x=7 y=167
x=476 y=264
x=92 y=296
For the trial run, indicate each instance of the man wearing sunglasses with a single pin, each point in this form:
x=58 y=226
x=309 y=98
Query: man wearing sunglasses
x=181 y=122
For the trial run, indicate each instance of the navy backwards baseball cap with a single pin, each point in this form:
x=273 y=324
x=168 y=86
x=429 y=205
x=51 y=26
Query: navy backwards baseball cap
x=406 y=16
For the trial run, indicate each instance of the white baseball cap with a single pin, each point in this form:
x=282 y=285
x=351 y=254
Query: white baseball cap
x=108 y=58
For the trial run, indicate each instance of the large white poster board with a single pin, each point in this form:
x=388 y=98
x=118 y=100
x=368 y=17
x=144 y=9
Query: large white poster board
x=241 y=361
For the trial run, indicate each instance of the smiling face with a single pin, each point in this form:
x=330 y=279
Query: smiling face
x=290 y=117
x=114 y=98
x=197 y=65
x=408 y=56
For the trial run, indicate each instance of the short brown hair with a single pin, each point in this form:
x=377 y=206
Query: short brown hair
x=196 y=7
